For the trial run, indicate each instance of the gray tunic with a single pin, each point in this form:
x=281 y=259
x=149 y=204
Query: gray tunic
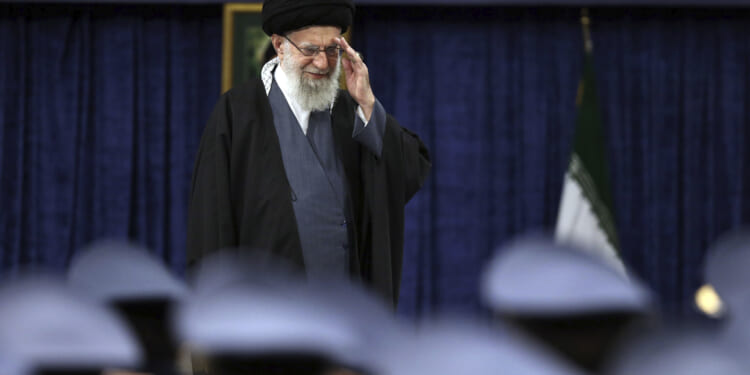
x=319 y=189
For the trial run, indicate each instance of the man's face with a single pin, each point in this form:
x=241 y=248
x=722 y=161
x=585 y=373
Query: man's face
x=320 y=66
x=315 y=78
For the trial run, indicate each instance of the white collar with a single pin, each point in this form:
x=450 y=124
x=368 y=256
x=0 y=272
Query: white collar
x=266 y=73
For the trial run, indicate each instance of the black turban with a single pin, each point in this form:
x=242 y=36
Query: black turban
x=282 y=16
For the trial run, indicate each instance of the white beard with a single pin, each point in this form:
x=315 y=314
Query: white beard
x=311 y=94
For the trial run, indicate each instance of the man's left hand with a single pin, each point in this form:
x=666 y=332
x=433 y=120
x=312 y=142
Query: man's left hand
x=357 y=78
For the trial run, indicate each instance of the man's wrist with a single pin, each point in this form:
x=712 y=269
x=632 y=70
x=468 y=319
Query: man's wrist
x=367 y=112
x=367 y=108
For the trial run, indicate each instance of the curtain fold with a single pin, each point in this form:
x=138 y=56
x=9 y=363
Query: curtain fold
x=490 y=91
x=102 y=109
x=674 y=84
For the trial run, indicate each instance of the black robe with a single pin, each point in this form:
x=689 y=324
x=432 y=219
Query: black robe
x=240 y=196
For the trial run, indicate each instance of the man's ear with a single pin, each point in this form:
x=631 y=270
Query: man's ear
x=276 y=41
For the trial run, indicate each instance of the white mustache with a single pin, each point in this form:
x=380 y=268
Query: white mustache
x=316 y=71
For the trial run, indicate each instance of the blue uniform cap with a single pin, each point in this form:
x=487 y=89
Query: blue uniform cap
x=687 y=351
x=726 y=269
x=112 y=271
x=242 y=266
x=361 y=320
x=452 y=347
x=253 y=321
x=13 y=366
x=373 y=323
x=537 y=277
x=45 y=325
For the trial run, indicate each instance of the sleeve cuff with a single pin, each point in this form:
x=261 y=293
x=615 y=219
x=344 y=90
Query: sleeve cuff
x=370 y=133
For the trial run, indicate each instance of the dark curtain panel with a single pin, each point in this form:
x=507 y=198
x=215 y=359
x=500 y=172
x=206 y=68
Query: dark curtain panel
x=101 y=108
x=675 y=88
x=492 y=91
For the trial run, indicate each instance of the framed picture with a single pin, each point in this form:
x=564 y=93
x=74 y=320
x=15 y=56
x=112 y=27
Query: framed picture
x=245 y=47
x=245 y=44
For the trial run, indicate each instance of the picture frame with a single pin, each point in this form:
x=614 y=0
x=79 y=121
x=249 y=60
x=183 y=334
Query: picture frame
x=245 y=46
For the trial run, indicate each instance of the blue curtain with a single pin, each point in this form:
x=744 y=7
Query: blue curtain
x=675 y=88
x=492 y=90
x=101 y=108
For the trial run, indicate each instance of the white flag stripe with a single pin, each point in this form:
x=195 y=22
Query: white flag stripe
x=577 y=171
x=578 y=224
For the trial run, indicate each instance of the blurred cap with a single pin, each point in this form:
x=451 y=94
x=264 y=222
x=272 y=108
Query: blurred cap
x=536 y=276
x=372 y=321
x=452 y=347
x=687 y=351
x=45 y=325
x=112 y=271
x=726 y=265
x=242 y=266
x=254 y=321
x=10 y=365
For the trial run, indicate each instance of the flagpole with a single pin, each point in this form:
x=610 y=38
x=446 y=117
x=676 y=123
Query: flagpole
x=585 y=23
x=588 y=47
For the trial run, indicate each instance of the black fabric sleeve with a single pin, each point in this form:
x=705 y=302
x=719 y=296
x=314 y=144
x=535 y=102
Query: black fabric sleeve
x=211 y=222
x=415 y=159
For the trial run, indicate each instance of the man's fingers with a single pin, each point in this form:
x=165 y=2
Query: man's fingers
x=348 y=68
x=343 y=43
x=351 y=54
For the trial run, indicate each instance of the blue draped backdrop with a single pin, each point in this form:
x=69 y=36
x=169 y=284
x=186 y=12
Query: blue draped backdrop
x=102 y=108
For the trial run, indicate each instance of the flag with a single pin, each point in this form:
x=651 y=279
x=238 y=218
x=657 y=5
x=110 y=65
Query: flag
x=585 y=217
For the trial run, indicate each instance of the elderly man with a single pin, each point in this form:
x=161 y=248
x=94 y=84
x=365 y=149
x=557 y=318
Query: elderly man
x=290 y=164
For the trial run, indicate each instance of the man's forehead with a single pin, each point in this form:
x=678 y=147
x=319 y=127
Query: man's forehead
x=316 y=34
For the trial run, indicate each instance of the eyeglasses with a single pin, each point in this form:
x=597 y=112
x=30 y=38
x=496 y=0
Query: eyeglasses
x=310 y=51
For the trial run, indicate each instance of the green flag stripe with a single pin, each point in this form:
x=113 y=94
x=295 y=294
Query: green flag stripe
x=580 y=174
x=589 y=142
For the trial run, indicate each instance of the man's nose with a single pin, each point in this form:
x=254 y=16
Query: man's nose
x=320 y=60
